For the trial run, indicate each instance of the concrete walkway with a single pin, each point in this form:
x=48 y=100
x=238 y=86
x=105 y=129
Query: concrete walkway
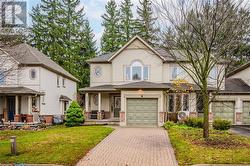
x=132 y=147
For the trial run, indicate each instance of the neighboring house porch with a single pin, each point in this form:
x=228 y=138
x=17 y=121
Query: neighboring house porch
x=19 y=104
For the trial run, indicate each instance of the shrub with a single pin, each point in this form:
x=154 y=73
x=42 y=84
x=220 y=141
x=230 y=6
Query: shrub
x=74 y=115
x=194 y=122
x=168 y=125
x=219 y=124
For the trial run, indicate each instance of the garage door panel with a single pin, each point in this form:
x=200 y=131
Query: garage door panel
x=142 y=112
x=223 y=110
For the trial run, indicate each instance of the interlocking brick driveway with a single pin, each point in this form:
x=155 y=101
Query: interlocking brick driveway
x=132 y=147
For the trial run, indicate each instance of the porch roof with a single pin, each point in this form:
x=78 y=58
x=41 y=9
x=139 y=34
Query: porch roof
x=139 y=85
x=18 y=90
x=64 y=98
x=105 y=88
x=143 y=85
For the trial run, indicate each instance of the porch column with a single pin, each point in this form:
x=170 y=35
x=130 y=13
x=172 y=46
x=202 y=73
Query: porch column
x=87 y=114
x=17 y=117
x=17 y=105
x=29 y=105
x=87 y=102
x=99 y=106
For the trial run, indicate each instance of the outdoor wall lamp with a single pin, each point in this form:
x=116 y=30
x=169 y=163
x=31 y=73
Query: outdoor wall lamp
x=140 y=92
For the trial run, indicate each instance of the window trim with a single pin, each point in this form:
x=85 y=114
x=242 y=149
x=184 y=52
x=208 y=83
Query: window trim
x=3 y=82
x=179 y=71
x=63 y=82
x=214 y=71
x=58 y=81
x=129 y=68
x=33 y=70
x=174 y=104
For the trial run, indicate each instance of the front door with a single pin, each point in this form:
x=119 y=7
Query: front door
x=11 y=108
x=117 y=106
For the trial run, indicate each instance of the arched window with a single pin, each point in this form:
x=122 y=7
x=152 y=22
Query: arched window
x=137 y=71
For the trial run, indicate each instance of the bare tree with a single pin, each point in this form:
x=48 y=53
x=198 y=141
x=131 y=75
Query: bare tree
x=199 y=34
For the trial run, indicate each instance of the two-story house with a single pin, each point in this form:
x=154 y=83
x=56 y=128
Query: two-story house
x=31 y=84
x=133 y=87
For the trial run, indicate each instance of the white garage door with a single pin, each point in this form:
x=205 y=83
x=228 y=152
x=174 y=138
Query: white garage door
x=223 y=110
x=142 y=112
x=246 y=112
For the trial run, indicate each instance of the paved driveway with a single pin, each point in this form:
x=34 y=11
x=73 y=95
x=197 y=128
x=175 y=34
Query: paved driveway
x=132 y=147
x=241 y=130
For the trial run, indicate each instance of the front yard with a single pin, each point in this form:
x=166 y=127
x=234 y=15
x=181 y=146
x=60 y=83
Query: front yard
x=56 y=145
x=222 y=147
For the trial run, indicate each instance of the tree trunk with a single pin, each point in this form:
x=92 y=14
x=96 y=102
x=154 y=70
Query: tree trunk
x=205 y=96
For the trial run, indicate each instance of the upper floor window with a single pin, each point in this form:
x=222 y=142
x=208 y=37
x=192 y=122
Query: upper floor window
x=2 y=76
x=136 y=71
x=176 y=71
x=32 y=74
x=58 y=81
x=213 y=73
x=63 y=82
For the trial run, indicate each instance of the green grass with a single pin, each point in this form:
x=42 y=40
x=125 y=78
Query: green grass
x=222 y=147
x=56 y=145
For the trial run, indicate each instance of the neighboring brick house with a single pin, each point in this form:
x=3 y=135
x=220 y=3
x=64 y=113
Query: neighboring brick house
x=133 y=87
x=31 y=84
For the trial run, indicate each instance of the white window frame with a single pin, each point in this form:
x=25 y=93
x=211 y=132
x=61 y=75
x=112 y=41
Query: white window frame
x=4 y=76
x=174 y=101
x=64 y=82
x=213 y=75
x=58 y=81
x=136 y=64
x=179 y=71
x=33 y=70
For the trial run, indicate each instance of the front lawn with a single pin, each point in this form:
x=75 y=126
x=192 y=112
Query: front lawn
x=222 y=147
x=56 y=145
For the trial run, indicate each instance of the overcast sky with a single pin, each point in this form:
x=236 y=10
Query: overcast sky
x=93 y=9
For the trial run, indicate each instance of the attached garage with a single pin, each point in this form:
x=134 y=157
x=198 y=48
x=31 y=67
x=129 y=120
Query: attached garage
x=224 y=110
x=246 y=112
x=142 y=112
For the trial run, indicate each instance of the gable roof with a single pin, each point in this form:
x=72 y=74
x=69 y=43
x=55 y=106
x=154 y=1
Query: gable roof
x=131 y=41
x=239 y=69
x=24 y=54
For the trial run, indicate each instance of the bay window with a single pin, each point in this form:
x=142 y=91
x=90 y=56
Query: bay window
x=178 y=102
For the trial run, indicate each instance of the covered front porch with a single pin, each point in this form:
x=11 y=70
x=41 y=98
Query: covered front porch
x=19 y=104
x=102 y=105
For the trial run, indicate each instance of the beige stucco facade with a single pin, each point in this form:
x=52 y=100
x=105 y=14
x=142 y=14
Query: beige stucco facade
x=113 y=72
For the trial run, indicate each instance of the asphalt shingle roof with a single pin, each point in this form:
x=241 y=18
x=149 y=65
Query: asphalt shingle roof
x=235 y=85
x=140 y=85
x=24 y=54
x=18 y=90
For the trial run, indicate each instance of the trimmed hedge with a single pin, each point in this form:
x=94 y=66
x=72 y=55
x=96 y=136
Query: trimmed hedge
x=219 y=124
x=194 y=122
